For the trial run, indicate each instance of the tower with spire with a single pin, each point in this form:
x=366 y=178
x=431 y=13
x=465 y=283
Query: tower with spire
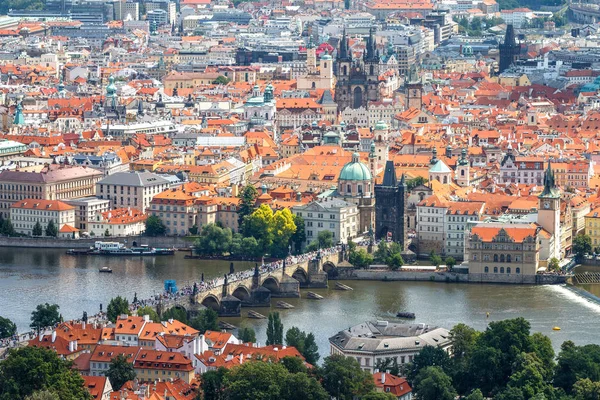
x=549 y=212
x=357 y=79
x=462 y=174
x=509 y=50
x=390 y=206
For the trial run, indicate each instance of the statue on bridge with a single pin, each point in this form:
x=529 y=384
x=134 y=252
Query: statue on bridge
x=225 y=283
x=256 y=272
x=202 y=279
x=231 y=269
x=195 y=289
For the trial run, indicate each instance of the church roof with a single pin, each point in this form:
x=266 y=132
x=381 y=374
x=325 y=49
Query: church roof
x=355 y=171
x=389 y=174
x=439 y=167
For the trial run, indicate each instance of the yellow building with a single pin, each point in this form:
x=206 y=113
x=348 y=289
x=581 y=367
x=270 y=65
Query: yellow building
x=592 y=226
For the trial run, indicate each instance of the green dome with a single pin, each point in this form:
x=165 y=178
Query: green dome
x=381 y=126
x=111 y=89
x=355 y=170
x=326 y=57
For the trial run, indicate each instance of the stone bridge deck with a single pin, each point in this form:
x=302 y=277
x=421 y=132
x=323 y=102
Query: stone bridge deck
x=255 y=289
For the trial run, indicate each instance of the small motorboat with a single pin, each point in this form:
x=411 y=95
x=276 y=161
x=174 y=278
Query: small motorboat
x=404 y=314
x=105 y=269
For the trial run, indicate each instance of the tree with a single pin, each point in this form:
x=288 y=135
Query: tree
x=120 y=371
x=155 y=226
x=429 y=356
x=175 y=313
x=575 y=363
x=554 y=264
x=299 y=235
x=304 y=343
x=212 y=384
x=255 y=380
x=450 y=262
x=528 y=376
x=300 y=386
x=381 y=254
x=207 y=320
x=585 y=389
x=343 y=378
x=395 y=261
x=247 y=335
x=194 y=230
x=37 y=229
x=475 y=395
x=44 y=315
x=107 y=232
x=247 y=205
x=435 y=259
x=51 y=229
x=43 y=395
x=283 y=228
x=360 y=258
x=582 y=245
x=147 y=310
x=117 y=306
x=250 y=247
x=7 y=328
x=432 y=383
x=260 y=225
x=213 y=240
x=419 y=180
x=8 y=228
x=221 y=80
x=293 y=364
x=274 y=329
x=32 y=369
x=378 y=396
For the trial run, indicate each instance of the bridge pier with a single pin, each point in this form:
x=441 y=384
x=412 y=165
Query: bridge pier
x=261 y=297
x=231 y=306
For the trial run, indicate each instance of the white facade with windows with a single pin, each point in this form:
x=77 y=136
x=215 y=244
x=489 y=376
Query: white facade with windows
x=334 y=215
x=131 y=189
x=25 y=214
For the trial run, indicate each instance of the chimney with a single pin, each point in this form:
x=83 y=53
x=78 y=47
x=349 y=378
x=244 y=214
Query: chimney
x=53 y=336
x=147 y=318
x=382 y=378
x=241 y=359
x=41 y=336
x=83 y=325
x=72 y=344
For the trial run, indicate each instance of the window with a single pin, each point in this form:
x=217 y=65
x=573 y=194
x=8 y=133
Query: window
x=501 y=257
x=495 y=257
x=508 y=270
x=518 y=270
x=501 y=270
x=486 y=270
x=495 y=270
x=508 y=258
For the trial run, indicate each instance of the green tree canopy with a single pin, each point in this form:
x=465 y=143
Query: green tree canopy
x=582 y=244
x=7 y=227
x=343 y=378
x=147 y=310
x=300 y=386
x=155 y=226
x=554 y=264
x=304 y=343
x=43 y=395
x=37 y=229
x=575 y=363
x=120 y=371
x=260 y=225
x=255 y=380
x=293 y=364
x=33 y=369
x=213 y=241
x=274 y=329
x=44 y=315
x=247 y=204
x=585 y=389
x=117 y=306
x=212 y=384
x=176 y=313
x=360 y=258
x=283 y=229
x=433 y=384
x=207 y=320
x=429 y=356
x=378 y=396
x=247 y=335
x=299 y=235
x=7 y=328
x=51 y=229
x=221 y=80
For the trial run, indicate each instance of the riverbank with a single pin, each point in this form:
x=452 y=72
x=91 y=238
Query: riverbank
x=350 y=273
x=176 y=242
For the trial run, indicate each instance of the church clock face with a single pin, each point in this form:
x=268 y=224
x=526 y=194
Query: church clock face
x=414 y=92
x=546 y=205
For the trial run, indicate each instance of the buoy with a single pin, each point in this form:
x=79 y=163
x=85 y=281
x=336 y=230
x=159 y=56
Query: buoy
x=487 y=314
x=556 y=328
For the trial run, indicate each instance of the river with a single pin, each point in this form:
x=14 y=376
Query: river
x=29 y=277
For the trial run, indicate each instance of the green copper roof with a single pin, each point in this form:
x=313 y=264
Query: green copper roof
x=439 y=167
x=381 y=125
x=550 y=189
x=355 y=170
x=19 y=119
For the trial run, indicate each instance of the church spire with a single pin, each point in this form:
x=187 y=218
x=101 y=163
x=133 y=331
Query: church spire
x=343 y=53
x=550 y=189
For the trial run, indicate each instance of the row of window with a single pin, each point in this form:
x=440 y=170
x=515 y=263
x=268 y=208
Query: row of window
x=508 y=270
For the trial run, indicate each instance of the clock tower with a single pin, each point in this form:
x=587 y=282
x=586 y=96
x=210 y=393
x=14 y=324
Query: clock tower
x=414 y=89
x=549 y=212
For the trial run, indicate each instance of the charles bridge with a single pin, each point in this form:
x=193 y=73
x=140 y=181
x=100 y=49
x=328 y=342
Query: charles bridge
x=256 y=289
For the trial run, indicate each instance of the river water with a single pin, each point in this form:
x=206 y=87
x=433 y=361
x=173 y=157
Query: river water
x=29 y=277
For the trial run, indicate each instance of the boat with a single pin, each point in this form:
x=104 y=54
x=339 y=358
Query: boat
x=78 y=252
x=404 y=314
x=119 y=249
x=105 y=269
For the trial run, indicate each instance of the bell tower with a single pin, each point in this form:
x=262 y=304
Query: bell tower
x=463 y=178
x=549 y=211
x=414 y=89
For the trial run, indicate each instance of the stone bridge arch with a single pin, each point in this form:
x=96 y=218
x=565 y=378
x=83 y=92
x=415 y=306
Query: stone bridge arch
x=243 y=293
x=330 y=269
x=301 y=276
x=271 y=283
x=212 y=302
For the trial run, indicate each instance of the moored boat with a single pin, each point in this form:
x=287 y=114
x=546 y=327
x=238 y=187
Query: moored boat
x=404 y=314
x=106 y=270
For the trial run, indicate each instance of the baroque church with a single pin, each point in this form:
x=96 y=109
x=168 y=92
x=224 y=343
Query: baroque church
x=357 y=79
